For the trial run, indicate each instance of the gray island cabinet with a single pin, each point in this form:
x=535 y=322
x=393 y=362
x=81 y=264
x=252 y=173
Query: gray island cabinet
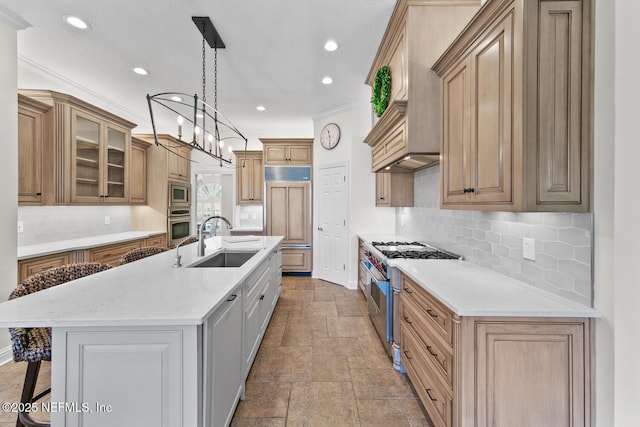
x=150 y=344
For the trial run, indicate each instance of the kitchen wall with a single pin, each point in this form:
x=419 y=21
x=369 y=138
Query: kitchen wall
x=44 y=224
x=494 y=239
x=8 y=163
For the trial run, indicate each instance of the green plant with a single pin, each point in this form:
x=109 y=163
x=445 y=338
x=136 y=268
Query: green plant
x=381 y=90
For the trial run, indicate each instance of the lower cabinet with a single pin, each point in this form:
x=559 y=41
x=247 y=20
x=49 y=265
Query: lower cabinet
x=223 y=367
x=296 y=260
x=159 y=240
x=496 y=371
x=111 y=254
x=31 y=266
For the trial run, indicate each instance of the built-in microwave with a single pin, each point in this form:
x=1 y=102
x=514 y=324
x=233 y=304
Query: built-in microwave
x=179 y=194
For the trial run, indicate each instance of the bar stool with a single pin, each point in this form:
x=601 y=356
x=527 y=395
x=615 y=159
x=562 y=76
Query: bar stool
x=33 y=345
x=139 y=253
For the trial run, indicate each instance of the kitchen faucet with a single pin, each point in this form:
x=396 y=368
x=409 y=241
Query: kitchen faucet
x=176 y=261
x=201 y=244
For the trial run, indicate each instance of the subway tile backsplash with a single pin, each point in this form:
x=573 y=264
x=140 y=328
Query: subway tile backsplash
x=563 y=241
x=44 y=224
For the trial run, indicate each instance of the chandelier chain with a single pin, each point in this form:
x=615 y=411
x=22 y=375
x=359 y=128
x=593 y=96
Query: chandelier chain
x=204 y=69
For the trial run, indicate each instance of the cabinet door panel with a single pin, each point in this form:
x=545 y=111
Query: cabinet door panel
x=550 y=387
x=275 y=154
x=30 y=145
x=276 y=214
x=257 y=180
x=455 y=149
x=86 y=169
x=297 y=215
x=492 y=118
x=383 y=185
x=560 y=102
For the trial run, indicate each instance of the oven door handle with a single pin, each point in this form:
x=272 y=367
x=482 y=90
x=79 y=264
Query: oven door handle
x=369 y=269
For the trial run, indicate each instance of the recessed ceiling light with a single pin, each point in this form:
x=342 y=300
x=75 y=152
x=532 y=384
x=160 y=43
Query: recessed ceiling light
x=327 y=80
x=176 y=99
x=76 y=22
x=141 y=71
x=330 y=46
x=260 y=108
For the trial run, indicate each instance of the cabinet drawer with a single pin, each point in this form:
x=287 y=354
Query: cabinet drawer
x=111 y=254
x=159 y=240
x=435 y=396
x=435 y=313
x=31 y=266
x=436 y=351
x=298 y=260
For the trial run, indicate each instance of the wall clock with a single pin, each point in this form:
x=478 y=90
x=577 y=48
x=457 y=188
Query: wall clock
x=330 y=136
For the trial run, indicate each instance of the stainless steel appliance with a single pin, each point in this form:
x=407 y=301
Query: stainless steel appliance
x=178 y=224
x=383 y=289
x=179 y=194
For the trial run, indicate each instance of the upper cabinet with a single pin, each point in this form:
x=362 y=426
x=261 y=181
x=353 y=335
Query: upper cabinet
x=179 y=163
x=138 y=171
x=249 y=177
x=517 y=108
x=288 y=152
x=407 y=134
x=31 y=136
x=85 y=152
x=394 y=189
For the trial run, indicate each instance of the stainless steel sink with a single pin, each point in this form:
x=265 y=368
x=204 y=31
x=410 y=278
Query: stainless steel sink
x=225 y=259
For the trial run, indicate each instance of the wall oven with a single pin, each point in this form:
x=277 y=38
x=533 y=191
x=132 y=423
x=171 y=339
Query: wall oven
x=179 y=194
x=179 y=224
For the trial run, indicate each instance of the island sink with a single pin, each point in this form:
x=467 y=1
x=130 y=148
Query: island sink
x=225 y=259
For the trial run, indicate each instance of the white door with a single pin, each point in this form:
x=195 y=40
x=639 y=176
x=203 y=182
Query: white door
x=332 y=243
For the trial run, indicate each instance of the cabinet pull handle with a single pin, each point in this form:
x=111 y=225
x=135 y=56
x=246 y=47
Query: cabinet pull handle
x=232 y=297
x=407 y=290
x=431 y=313
x=469 y=190
x=406 y=319
x=433 y=399
x=38 y=194
x=406 y=353
x=431 y=351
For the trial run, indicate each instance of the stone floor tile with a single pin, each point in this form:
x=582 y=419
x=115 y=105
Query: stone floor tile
x=257 y=422
x=347 y=326
x=377 y=383
x=264 y=400
x=337 y=346
x=319 y=404
x=283 y=364
x=320 y=308
x=330 y=368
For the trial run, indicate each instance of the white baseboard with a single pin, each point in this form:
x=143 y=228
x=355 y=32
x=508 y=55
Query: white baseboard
x=6 y=355
x=353 y=284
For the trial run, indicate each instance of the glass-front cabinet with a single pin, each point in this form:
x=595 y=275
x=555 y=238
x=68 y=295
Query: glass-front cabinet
x=99 y=166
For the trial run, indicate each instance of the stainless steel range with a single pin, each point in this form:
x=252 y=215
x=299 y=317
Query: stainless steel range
x=384 y=287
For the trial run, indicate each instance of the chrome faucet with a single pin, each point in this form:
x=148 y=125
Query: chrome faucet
x=177 y=261
x=201 y=244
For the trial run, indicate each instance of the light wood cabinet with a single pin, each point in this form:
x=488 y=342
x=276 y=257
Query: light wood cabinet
x=86 y=152
x=29 y=267
x=288 y=212
x=249 y=178
x=290 y=152
x=296 y=260
x=394 y=189
x=111 y=254
x=516 y=102
x=179 y=163
x=407 y=135
x=362 y=273
x=138 y=172
x=31 y=138
x=495 y=371
x=159 y=240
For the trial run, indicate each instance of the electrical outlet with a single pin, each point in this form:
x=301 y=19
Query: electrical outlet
x=529 y=249
x=20 y=226
x=107 y=220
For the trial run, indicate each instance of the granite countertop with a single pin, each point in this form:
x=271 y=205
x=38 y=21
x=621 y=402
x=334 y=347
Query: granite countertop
x=149 y=291
x=470 y=290
x=41 y=249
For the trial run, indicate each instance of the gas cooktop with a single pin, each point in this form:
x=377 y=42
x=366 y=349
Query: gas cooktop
x=412 y=250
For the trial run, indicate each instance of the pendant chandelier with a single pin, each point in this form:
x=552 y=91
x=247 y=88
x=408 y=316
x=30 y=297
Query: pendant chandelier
x=202 y=123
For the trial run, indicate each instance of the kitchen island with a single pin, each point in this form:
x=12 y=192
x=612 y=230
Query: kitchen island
x=147 y=343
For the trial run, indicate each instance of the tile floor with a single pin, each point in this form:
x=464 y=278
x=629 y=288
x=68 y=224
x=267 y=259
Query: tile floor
x=320 y=364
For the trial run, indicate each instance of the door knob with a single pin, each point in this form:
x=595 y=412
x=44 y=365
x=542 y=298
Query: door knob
x=320 y=229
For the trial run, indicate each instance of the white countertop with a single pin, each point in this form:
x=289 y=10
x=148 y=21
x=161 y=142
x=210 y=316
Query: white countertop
x=470 y=290
x=149 y=291
x=247 y=228
x=41 y=249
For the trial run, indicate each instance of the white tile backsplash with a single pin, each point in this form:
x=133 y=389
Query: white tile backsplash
x=493 y=240
x=44 y=224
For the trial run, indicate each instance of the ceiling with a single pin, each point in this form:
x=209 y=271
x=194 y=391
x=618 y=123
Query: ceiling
x=274 y=56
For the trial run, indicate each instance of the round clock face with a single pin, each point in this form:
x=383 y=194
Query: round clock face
x=330 y=136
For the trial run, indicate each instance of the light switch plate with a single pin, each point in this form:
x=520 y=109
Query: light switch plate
x=107 y=220
x=529 y=249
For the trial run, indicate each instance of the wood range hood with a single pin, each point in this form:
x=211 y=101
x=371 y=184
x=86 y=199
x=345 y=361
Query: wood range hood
x=406 y=137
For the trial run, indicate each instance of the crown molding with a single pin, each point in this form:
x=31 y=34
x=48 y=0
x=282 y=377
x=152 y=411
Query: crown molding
x=12 y=19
